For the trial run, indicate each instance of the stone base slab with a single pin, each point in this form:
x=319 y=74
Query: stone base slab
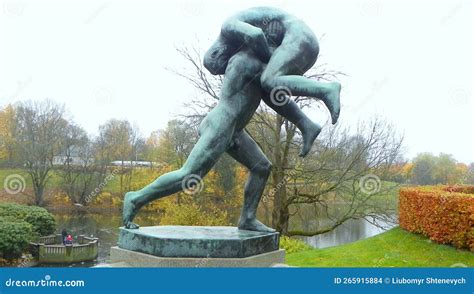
x=198 y=241
x=137 y=259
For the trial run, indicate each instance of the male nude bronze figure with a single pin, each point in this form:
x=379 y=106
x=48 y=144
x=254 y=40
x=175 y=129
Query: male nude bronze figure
x=290 y=48
x=241 y=53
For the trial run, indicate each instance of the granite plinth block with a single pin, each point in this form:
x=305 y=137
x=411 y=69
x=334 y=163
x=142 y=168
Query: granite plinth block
x=197 y=242
x=125 y=258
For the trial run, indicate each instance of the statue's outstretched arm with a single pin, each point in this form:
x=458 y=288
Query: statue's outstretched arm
x=252 y=36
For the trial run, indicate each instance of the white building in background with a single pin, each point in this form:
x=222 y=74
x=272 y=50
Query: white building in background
x=136 y=163
x=76 y=160
x=73 y=160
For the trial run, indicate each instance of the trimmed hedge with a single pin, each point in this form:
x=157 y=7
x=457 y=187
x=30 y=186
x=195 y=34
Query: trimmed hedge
x=41 y=221
x=445 y=214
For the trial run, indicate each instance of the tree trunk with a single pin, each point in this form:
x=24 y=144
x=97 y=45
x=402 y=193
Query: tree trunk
x=39 y=191
x=280 y=215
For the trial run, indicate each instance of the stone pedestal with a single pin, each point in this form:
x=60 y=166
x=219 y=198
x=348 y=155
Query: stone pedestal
x=186 y=246
x=125 y=258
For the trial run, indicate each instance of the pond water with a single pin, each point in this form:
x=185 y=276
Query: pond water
x=350 y=231
x=105 y=227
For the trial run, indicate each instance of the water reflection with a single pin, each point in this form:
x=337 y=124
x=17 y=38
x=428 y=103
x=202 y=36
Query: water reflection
x=312 y=218
x=350 y=231
x=104 y=226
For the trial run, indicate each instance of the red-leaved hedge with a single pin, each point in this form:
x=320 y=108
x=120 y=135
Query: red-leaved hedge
x=443 y=213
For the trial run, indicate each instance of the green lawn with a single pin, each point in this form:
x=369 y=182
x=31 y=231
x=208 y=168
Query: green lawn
x=4 y=173
x=394 y=248
x=54 y=181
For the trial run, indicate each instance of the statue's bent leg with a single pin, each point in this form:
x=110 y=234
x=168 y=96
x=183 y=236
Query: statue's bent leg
x=202 y=158
x=297 y=53
x=249 y=154
x=291 y=111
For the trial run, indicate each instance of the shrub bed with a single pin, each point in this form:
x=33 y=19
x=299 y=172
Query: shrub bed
x=445 y=214
x=292 y=245
x=41 y=221
x=15 y=236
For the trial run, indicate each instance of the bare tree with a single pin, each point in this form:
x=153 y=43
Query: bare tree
x=119 y=141
x=39 y=131
x=202 y=80
x=341 y=169
x=334 y=168
x=80 y=171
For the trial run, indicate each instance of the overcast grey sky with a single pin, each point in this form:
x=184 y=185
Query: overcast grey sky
x=409 y=61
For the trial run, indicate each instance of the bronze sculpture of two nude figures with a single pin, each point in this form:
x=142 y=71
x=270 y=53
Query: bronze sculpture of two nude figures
x=261 y=52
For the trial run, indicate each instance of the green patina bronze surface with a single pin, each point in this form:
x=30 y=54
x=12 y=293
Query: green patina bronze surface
x=263 y=53
x=205 y=242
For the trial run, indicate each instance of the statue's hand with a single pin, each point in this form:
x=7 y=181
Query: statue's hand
x=257 y=42
x=253 y=37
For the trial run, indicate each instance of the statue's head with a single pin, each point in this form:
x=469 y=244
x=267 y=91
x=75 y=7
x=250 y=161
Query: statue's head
x=217 y=57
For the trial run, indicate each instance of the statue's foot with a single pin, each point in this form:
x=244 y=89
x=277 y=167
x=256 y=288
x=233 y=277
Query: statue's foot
x=333 y=102
x=310 y=132
x=254 y=225
x=129 y=211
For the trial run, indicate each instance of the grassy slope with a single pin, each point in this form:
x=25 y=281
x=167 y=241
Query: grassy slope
x=394 y=248
x=54 y=180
